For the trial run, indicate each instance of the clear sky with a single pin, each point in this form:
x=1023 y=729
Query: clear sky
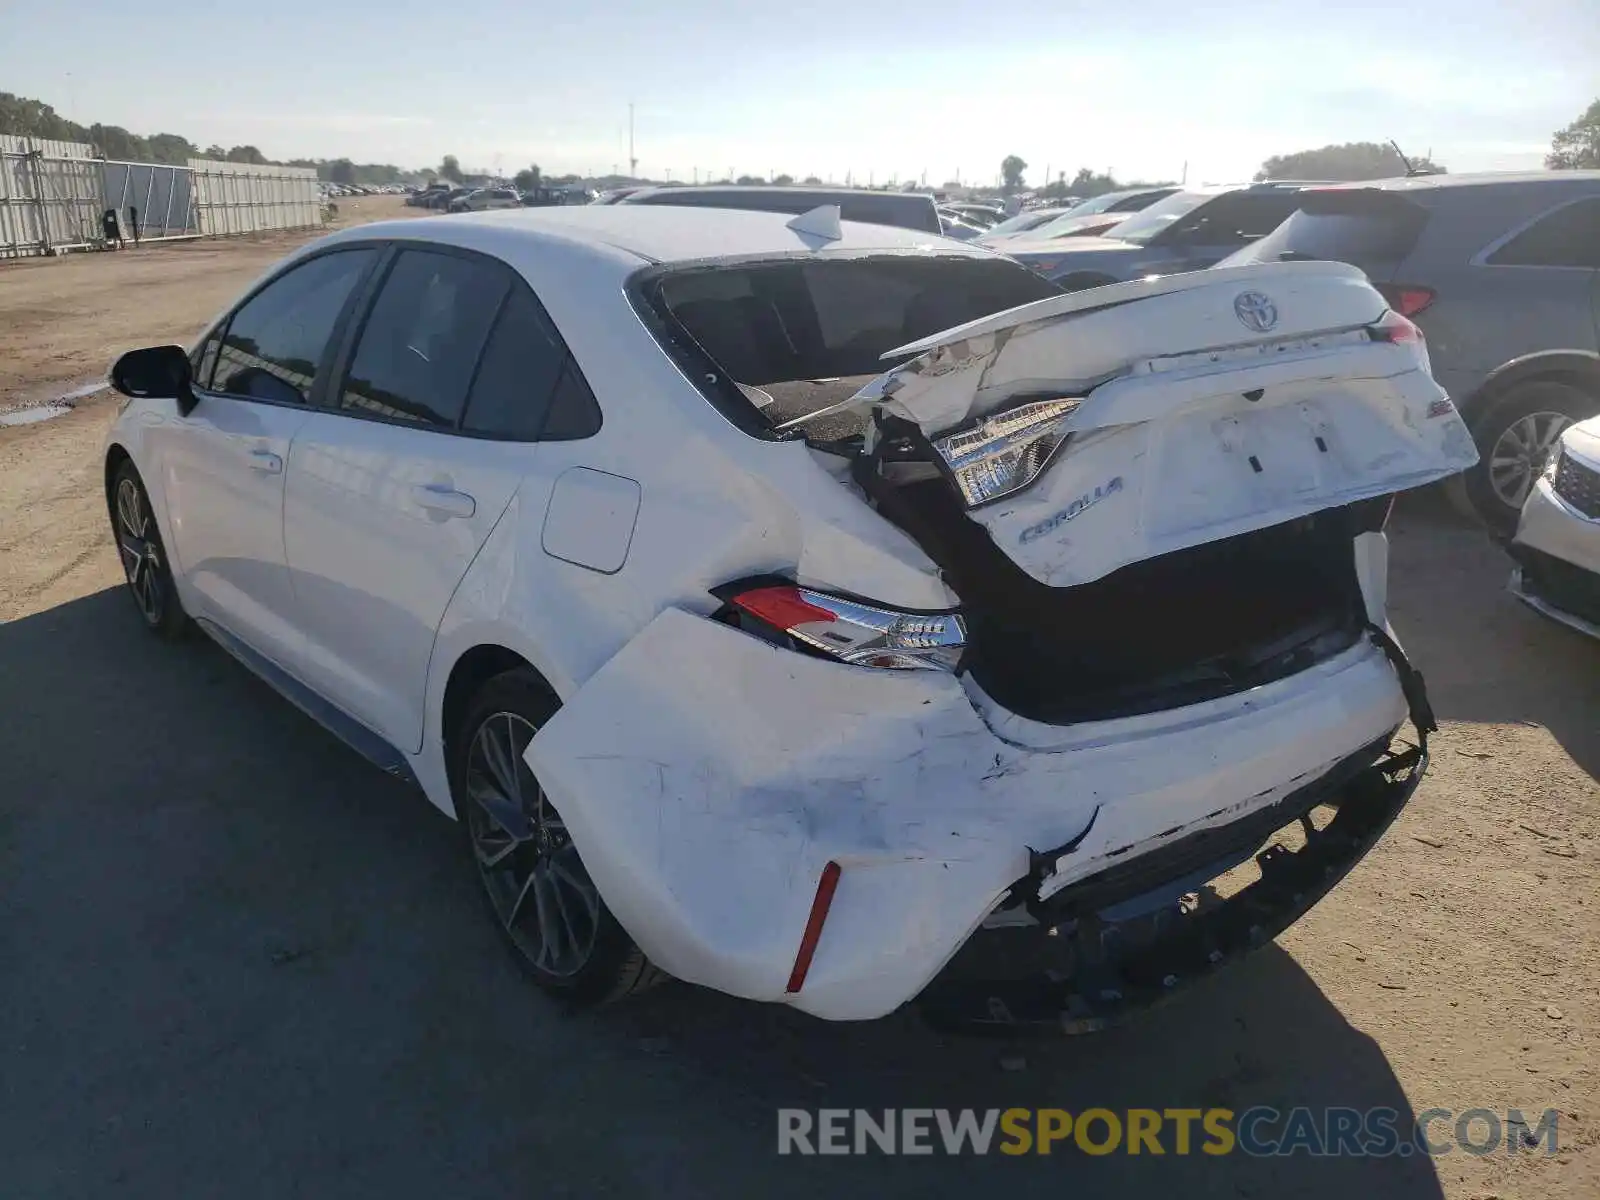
x=755 y=86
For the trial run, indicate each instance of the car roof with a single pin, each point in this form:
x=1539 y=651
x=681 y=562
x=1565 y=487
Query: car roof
x=1474 y=179
x=824 y=193
x=653 y=234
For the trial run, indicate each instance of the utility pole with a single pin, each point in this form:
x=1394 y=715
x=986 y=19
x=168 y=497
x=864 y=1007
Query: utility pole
x=633 y=162
x=1185 y=178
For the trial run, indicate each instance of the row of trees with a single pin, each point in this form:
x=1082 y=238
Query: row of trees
x=27 y=117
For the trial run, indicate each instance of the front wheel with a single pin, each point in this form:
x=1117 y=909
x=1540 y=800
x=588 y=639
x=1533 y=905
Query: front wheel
x=144 y=559
x=533 y=878
x=1516 y=437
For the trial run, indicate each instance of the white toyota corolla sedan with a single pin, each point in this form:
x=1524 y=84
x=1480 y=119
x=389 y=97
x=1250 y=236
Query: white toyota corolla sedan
x=828 y=614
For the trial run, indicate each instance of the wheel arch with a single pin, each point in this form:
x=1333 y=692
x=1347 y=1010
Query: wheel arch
x=116 y=455
x=470 y=671
x=1577 y=368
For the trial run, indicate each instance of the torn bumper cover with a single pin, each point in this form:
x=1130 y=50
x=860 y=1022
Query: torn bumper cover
x=709 y=779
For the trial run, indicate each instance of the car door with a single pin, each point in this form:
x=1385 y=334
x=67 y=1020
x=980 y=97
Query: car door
x=395 y=485
x=223 y=464
x=1544 y=277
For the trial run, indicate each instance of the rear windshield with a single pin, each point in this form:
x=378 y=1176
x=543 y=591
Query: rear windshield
x=785 y=339
x=1367 y=227
x=870 y=208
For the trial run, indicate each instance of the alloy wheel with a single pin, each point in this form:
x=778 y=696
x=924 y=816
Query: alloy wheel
x=1520 y=454
x=140 y=551
x=530 y=868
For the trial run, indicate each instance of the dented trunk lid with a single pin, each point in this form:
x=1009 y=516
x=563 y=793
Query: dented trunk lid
x=1202 y=406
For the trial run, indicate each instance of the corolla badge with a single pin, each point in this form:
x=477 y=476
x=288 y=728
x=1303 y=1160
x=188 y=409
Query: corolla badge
x=1057 y=519
x=1256 y=311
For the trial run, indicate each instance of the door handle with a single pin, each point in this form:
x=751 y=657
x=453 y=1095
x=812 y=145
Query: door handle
x=266 y=462
x=444 y=500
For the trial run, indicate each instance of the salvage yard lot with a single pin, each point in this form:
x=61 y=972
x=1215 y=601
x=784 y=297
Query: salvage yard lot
x=235 y=956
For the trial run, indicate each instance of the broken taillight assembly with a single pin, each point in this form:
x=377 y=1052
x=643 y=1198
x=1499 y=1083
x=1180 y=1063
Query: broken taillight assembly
x=1394 y=327
x=1004 y=453
x=867 y=635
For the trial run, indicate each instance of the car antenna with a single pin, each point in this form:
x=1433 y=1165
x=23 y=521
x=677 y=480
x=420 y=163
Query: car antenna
x=1412 y=170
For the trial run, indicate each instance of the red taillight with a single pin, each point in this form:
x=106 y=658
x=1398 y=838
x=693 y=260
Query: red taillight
x=855 y=631
x=819 y=913
x=781 y=607
x=1405 y=299
x=1392 y=327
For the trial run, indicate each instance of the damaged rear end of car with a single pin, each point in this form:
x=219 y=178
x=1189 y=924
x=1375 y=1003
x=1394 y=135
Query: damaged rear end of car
x=1156 y=511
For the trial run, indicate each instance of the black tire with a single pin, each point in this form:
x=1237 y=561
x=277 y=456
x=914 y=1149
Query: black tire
x=144 y=556
x=1516 y=426
x=583 y=956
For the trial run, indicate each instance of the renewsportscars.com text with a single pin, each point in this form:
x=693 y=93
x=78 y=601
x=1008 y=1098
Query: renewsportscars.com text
x=1258 y=1132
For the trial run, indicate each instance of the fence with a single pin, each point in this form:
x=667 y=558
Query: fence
x=245 y=198
x=53 y=196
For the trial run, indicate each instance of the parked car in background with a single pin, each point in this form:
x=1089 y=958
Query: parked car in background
x=953 y=225
x=441 y=201
x=908 y=210
x=1187 y=231
x=485 y=199
x=1557 y=544
x=1502 y=273
x=421 y=198
x=547 y=513
x=985 y=216
x=1094 y=216
x=1030 y=218
x=617 y=195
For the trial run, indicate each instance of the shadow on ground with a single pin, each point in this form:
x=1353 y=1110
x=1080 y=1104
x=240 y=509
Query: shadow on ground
x=1488 y=658
x=236 y=958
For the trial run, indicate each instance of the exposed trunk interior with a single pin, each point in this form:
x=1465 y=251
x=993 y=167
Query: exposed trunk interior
x=1189 y=626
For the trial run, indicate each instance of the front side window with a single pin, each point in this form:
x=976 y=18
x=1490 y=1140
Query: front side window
x=275 y=343
x=1568 y=237
x=420 y=344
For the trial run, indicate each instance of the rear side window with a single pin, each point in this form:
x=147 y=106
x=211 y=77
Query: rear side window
x=528 y=386
x=420 y=345
x=1567 y=237
x=275 y=342
x=1365 y=227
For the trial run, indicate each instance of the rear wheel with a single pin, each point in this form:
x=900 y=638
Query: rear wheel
x=144 y=559
x=1516 y=437
x=533 y=878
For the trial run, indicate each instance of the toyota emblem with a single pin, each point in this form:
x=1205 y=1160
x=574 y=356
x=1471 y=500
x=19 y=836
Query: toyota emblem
x=1256 y=311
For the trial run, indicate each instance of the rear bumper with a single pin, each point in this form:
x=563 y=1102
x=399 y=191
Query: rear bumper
x=1126 y=940
x=709 y=778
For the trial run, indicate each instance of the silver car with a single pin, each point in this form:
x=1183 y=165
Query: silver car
x=1502 y=273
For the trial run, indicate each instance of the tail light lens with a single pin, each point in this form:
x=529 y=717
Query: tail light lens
x=1006 y=452
x=1406 y=299
x=866 y=635
x=1396 y=328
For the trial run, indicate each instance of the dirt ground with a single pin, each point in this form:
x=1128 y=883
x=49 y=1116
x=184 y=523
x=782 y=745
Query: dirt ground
x=234 y=951
x=63 y=320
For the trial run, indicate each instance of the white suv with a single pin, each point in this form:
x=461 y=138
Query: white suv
x=742 y=656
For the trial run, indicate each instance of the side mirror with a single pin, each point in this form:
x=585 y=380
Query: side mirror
x=158 y=371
